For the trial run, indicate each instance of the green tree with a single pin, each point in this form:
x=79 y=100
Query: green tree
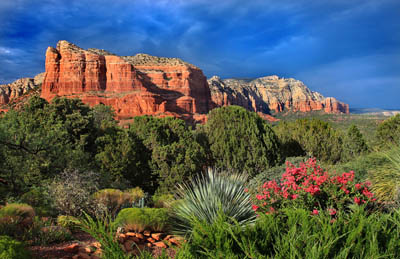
x=43 y=139
x=353 y=144
x=122 y=157
x=388 y=133
x=241 y=141
x=175 y=153
x=314 y=137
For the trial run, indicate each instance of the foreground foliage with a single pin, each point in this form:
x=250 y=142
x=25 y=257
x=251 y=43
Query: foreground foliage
x=295 y=233
x=205 y=197
x=12 y=249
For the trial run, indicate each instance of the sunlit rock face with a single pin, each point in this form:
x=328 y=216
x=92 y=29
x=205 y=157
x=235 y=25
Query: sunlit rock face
x=271 y=93
x=132 y=85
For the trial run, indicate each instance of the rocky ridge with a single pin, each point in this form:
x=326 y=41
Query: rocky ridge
x=137 y=85
x=147 y=85
x=18 y=88
x=271 y=94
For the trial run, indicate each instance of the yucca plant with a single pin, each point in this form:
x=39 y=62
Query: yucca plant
x=206 y=196
x=386 y=181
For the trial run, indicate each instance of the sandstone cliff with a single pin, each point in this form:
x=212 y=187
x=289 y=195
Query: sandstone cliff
x=132 y=85
x=271 y=93
x=11 y=92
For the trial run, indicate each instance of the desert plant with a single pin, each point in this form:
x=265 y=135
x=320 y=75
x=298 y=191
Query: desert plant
x=12 y=249
x=112 y=199
x=205 y=196
x=386 y=179
x=104 y=231
x=162 y=200
x=16 y=218
x=68 y=222
x=310 y=187
x=72 y=190
x=134 y=195
x=38 y=197
x=45 y=232
x=139 y=219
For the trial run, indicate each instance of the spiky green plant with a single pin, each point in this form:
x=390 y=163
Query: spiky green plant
x=386 y=180
x=104 y=231
x=206 y=196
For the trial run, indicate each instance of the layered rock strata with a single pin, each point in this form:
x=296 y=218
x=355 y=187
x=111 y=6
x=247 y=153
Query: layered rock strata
x=132 y=85
x=272 y=93
x=18 y=88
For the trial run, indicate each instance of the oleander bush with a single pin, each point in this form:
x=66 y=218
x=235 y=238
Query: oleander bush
x=312 y=188
x=139 y=219
x=12 y=249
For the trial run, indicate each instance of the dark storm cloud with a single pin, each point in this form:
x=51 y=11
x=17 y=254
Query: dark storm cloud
x=346 y=49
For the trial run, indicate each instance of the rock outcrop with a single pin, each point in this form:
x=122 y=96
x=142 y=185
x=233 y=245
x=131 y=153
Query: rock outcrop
x=18 y=88
x=132 y=85
x=271 y=93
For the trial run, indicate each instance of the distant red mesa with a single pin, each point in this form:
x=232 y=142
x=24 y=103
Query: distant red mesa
x=149 y=85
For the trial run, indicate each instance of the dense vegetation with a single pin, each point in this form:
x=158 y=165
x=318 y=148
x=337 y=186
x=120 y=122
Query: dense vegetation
x=75 y=165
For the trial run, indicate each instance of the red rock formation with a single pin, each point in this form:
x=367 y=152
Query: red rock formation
x=136 y=85
x=272 y=93
x=18 y=88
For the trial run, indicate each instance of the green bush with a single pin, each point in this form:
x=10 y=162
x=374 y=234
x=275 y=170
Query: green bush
x=241 y=141
x=162 y=200
x=295 y=233
x=134 y=195
x=388 y=133
x=12 y=249
x=139 y=219
x=313 y=137
x=68 y=222
x=112 y=199
x=39 y=199
x=205 y=197
x=273 y=173
x=19 y=215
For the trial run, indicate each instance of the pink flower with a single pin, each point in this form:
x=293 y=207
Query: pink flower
x=255 y=207
x=246 y=190
x=357 y=200
x=358 y=186
x=294 y=196
x=332 y=212
x=315 y=212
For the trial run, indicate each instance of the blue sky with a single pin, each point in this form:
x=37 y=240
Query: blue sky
x=349 y=49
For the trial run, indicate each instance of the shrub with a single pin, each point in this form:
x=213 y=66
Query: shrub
x=44 y=234
x=386 y=179
x=241 y=141
x=139 y=219
x=314 y=137
x=162 y=200
x=273 y=173
x=103 y=230
x=311 y=188
x=38 y=197
x=72 y=190
x=111 y=199
x=295 y=233
x=68 y=222
x=207 y=196
x=388 y=132
x=354 y=144
x=18 y=214
x=135 y=194
x=12 y=249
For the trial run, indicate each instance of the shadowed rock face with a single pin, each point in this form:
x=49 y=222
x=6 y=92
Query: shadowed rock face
x=271 y=93
x=133 y=85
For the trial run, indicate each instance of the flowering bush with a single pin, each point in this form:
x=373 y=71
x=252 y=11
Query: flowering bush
x=313 y=189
